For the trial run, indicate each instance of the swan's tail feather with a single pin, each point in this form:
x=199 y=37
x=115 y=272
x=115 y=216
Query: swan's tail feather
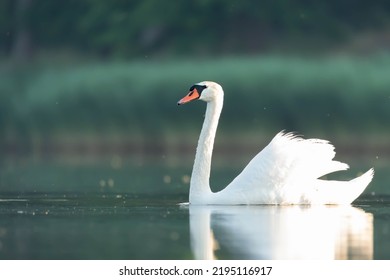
x=343 y=192
x=360 y=183
x=365 y=178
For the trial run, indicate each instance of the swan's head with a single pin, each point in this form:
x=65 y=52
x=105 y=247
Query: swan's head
x=206 y=91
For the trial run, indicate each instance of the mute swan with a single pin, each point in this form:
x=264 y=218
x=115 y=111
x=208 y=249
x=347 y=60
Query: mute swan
x=286 y=171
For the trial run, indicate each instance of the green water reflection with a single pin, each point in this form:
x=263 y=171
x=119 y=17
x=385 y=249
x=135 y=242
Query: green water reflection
x=118 y=226
x=116 y=208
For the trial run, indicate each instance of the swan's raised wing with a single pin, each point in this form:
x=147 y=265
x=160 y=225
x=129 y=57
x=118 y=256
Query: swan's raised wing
x=285 y=171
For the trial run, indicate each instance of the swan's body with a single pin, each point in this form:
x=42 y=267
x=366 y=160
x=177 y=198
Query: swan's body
x=286 y=171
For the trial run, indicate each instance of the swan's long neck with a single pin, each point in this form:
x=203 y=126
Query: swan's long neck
x=200 y=183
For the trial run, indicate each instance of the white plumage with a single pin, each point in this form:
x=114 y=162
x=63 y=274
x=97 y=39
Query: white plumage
x=286 y=171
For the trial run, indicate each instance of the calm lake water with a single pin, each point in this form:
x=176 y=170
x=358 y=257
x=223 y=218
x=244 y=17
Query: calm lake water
x=69 y=211
x=85 y=226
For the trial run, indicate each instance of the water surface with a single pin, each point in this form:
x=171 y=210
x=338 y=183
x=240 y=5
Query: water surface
x=120 y=226
x=126 y=208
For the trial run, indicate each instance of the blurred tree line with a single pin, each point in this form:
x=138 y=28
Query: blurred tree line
x=141 y=27
x=49 y=101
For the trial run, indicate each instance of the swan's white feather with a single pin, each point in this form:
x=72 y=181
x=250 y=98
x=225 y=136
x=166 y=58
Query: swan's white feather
x=287 y=171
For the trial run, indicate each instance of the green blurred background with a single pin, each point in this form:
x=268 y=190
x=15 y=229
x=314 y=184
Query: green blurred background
x=88 y=89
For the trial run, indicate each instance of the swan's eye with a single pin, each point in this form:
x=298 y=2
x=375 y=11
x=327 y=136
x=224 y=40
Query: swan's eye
x=199 y=88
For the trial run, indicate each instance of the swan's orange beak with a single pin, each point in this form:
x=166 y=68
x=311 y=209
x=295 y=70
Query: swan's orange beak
x=192 y=95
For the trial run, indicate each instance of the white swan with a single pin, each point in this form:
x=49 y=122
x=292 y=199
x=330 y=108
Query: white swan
x=287 y=171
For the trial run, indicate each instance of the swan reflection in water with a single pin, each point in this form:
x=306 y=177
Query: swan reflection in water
x=281 y=232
